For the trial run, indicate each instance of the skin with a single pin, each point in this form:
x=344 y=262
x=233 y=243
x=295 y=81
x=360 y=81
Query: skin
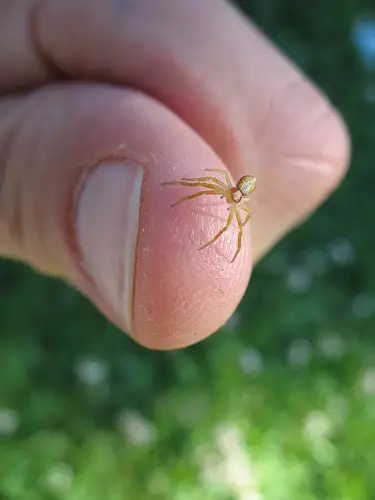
x=203 y=101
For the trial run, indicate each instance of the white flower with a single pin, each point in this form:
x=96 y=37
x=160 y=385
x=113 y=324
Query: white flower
x=249 y=495
x=317 y=425
x=58 y=479
x=251 y=361
x=324 y=452
x=342 y=252
x=92 y=371
x=228 y=437
x=367 y=381
x=332 y=346
x=318 y=429
x=299 y=279
x=232 y=467
x=9 y=421
x=136 y=428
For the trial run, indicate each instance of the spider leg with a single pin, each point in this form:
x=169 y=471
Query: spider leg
x=213 y=179
x=248 y=215
x=230 y=218
x=195 y=195
x=217 y=170
x=240 y=233
x=214 y=187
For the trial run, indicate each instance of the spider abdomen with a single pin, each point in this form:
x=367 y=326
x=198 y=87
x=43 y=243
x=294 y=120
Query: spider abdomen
x=246 y=185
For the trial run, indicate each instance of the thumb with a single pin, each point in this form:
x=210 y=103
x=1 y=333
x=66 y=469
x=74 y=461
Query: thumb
x=76 y=206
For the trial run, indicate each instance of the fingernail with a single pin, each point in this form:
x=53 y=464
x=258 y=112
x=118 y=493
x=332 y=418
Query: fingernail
x=107 y=230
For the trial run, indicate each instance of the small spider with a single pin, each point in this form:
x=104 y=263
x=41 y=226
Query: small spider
x=234 y=196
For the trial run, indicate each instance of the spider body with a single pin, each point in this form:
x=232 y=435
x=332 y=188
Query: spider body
x=235 y=196
x=243 y=189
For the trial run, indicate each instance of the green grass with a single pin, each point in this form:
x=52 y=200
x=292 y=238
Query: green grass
x=282 y=404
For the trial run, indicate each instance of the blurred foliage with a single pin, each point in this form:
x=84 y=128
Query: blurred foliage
x=278 y=405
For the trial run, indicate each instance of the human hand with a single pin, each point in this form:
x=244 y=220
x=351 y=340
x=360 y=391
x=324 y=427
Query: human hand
x=184 y=86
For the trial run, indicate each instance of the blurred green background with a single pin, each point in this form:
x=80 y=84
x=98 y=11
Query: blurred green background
x=278 y=405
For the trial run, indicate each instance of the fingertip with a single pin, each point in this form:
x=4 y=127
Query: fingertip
x=183 y=290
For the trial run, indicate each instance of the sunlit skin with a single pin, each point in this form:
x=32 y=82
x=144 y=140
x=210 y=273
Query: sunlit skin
x=235 y=196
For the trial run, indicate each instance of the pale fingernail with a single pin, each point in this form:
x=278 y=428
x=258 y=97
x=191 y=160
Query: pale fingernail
x=107 y=231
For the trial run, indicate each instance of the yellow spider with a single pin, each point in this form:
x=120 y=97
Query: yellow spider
x=234 y=196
